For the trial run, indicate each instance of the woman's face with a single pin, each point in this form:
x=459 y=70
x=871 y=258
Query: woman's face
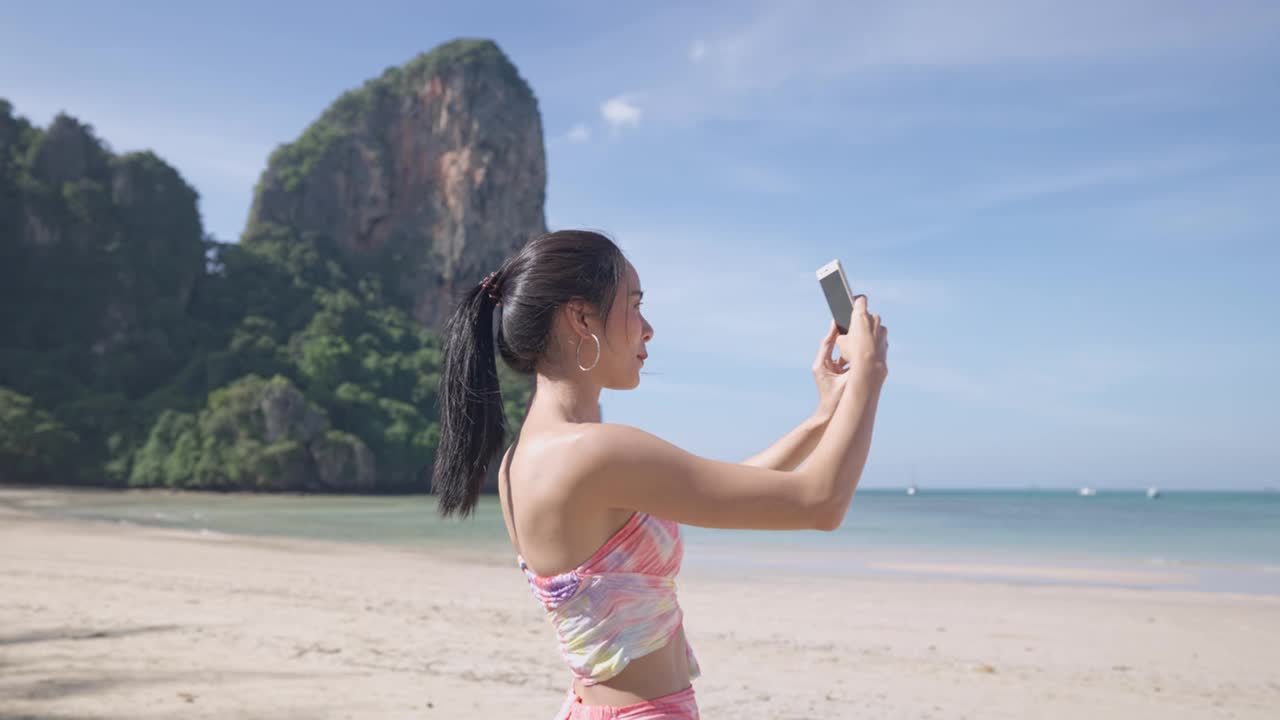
x=623 y=344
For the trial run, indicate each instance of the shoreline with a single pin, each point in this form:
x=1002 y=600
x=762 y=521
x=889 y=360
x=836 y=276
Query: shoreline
x=795 y=555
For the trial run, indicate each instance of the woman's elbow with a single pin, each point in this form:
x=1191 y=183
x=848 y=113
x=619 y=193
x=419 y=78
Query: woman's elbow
x=828 y=513
x=829 y=518
x=822 y=509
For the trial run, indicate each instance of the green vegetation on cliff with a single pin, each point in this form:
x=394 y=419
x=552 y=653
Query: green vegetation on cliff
x=134 y=350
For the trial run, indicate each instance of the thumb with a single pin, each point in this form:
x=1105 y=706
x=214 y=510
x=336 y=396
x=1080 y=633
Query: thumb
x=859 y=308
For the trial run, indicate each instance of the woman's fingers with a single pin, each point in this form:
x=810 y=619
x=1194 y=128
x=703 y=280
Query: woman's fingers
x=838 y=365
x=825 y=347
x=861 y=342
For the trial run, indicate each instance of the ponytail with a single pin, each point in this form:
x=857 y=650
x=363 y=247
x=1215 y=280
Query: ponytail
x=548 y=271
x=473 y=426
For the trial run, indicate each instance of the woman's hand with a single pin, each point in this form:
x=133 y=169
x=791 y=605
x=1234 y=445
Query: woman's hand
x=866 y=344
x=830 y=375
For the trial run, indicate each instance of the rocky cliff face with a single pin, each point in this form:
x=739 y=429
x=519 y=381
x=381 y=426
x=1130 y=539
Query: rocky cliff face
x=430 y=174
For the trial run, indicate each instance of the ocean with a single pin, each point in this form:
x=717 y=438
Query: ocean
x=1212 y=541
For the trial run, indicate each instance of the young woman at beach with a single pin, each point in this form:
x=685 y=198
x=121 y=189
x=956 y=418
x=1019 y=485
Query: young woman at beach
x=593 y=509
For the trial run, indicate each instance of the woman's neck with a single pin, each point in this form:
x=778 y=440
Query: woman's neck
x=564 y=400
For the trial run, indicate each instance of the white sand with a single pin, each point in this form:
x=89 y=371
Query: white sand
x=114 y=621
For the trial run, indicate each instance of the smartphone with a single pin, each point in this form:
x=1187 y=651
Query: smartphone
x=835 y=286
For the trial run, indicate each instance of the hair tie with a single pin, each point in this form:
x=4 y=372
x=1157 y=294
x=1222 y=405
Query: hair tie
x=491 y=287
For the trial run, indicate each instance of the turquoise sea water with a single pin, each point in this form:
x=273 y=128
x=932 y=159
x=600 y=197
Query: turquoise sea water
x=1214 y=540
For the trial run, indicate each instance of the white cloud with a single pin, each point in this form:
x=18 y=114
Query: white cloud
x=829 y=39
x=761 y=180
x=1176 y=163
x=807 y=47
x=938 y=379
x=579 y=133
x=1214 y=208
x=698 y=51
x=1049 y=391
x=620 y=111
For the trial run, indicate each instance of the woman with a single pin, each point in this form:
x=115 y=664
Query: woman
x=572 y=487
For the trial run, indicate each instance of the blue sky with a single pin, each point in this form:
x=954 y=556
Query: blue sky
x=1065 y=211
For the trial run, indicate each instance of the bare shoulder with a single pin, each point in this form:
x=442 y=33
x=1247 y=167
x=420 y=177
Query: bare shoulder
x=603 y=437
x=603 y=447
x=568 y=464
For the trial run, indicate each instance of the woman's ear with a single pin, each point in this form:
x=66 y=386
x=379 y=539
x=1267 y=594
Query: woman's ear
x=576 y=313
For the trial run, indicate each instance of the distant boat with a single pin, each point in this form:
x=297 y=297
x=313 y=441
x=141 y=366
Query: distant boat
x=1153 y=493
x=1087 y=492
x=911 y=490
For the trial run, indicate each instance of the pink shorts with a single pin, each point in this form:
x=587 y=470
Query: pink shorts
x=676 y=706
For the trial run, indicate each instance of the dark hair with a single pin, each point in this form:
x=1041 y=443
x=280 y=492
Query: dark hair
x=548 y=272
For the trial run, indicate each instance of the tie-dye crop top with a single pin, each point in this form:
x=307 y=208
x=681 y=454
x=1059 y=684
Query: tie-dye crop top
x=620 y=604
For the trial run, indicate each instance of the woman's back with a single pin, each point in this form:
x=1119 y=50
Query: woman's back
x=556 y=529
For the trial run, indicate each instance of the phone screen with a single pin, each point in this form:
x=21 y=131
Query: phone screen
x=838 y=299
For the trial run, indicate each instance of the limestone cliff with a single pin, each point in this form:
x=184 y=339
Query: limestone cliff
x=429 y=175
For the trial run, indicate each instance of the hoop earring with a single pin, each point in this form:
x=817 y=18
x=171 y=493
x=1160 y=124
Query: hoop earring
x=577 y=354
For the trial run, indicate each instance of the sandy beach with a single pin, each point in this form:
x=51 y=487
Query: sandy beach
x=101 y=620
